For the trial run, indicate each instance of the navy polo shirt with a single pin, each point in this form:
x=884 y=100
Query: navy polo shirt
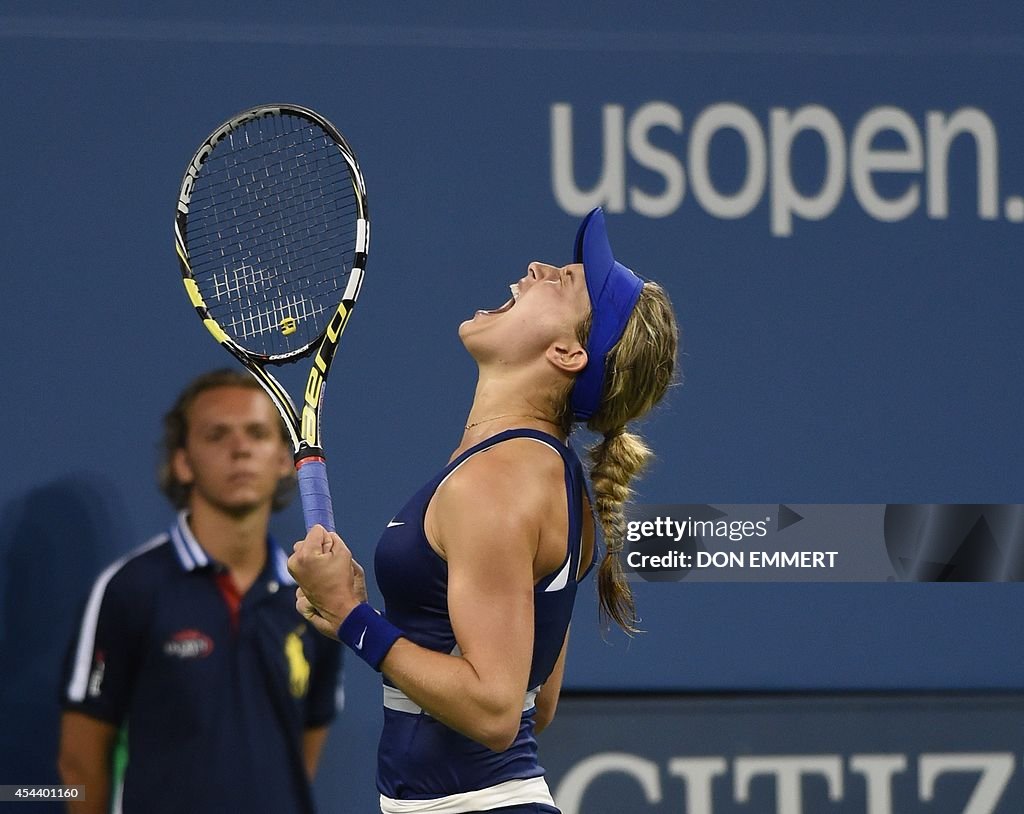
x=216 y=689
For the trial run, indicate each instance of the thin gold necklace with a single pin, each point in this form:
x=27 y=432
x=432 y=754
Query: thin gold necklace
x=508 y=415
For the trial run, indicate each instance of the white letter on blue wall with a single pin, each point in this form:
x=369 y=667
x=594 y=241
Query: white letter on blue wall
x=610 y=189
x=866 y=160
x=732 y=117
x=941 y=133
x=787 y=200
x=664 y=163
x=570 y=792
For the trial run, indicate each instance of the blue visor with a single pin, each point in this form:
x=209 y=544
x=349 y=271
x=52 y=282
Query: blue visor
x=614 y=291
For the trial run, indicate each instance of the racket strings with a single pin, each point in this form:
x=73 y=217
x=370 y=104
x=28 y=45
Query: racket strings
x=274 y=218
x=245 y=211
x=272 y=233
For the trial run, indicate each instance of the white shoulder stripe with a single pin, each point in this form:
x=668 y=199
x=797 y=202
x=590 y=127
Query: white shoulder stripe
x=87 y=632
x=190 y=541
x=179 y=546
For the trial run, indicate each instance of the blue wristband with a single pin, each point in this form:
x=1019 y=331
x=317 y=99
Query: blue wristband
x=369 y=634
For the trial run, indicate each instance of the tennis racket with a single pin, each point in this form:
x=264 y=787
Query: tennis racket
x=272 y=234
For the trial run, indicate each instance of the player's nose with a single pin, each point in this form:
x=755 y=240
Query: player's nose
x=542 y=271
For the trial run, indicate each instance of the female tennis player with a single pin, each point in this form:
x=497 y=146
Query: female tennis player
x=479 y=569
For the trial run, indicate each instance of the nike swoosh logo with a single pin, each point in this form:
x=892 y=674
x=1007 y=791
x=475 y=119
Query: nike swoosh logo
x=392 y=524
x=359 y=644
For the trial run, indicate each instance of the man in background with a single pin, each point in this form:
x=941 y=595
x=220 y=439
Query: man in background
x=190 y=651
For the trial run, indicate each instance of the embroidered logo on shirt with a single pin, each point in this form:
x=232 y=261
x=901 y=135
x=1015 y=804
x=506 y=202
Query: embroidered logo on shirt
x=189 y=644
x=394 y=523
x=96 y=676
x=298 y=666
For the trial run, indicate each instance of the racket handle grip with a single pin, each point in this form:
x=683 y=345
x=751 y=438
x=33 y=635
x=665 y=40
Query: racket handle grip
x=315 y=492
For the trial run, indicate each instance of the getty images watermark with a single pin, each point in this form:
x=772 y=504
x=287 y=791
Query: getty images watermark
x=668 y=543
x=825 y=542
x=675 y=531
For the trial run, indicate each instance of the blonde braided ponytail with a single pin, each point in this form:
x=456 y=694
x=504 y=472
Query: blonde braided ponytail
x=639 y=370
x=616 y=461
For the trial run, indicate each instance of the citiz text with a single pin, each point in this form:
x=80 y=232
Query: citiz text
x=800 y=784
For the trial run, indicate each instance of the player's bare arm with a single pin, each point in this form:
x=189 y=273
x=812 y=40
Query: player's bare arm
x=483 y=521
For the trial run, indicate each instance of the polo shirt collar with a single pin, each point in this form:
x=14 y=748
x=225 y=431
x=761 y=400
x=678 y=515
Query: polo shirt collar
x=191 y=555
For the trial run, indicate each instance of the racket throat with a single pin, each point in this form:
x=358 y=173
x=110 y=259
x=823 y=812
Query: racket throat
x=308 y=453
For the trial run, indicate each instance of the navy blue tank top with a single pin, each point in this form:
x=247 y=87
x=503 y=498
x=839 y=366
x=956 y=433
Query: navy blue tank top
x=418 y=757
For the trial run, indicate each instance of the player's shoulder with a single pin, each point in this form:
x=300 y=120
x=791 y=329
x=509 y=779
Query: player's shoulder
x=517 y=466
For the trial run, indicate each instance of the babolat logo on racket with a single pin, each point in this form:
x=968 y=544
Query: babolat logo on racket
x=197 y=161
x=315 y=381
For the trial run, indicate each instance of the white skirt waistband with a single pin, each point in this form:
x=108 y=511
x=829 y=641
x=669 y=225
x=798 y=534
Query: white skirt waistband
x=509 y=793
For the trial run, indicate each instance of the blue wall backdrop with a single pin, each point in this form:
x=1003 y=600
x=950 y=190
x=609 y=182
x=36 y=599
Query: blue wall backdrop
x=834 y=199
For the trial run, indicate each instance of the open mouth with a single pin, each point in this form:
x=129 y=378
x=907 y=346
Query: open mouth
x=514 y=288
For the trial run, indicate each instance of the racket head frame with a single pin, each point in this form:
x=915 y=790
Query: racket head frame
x=303 y=426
